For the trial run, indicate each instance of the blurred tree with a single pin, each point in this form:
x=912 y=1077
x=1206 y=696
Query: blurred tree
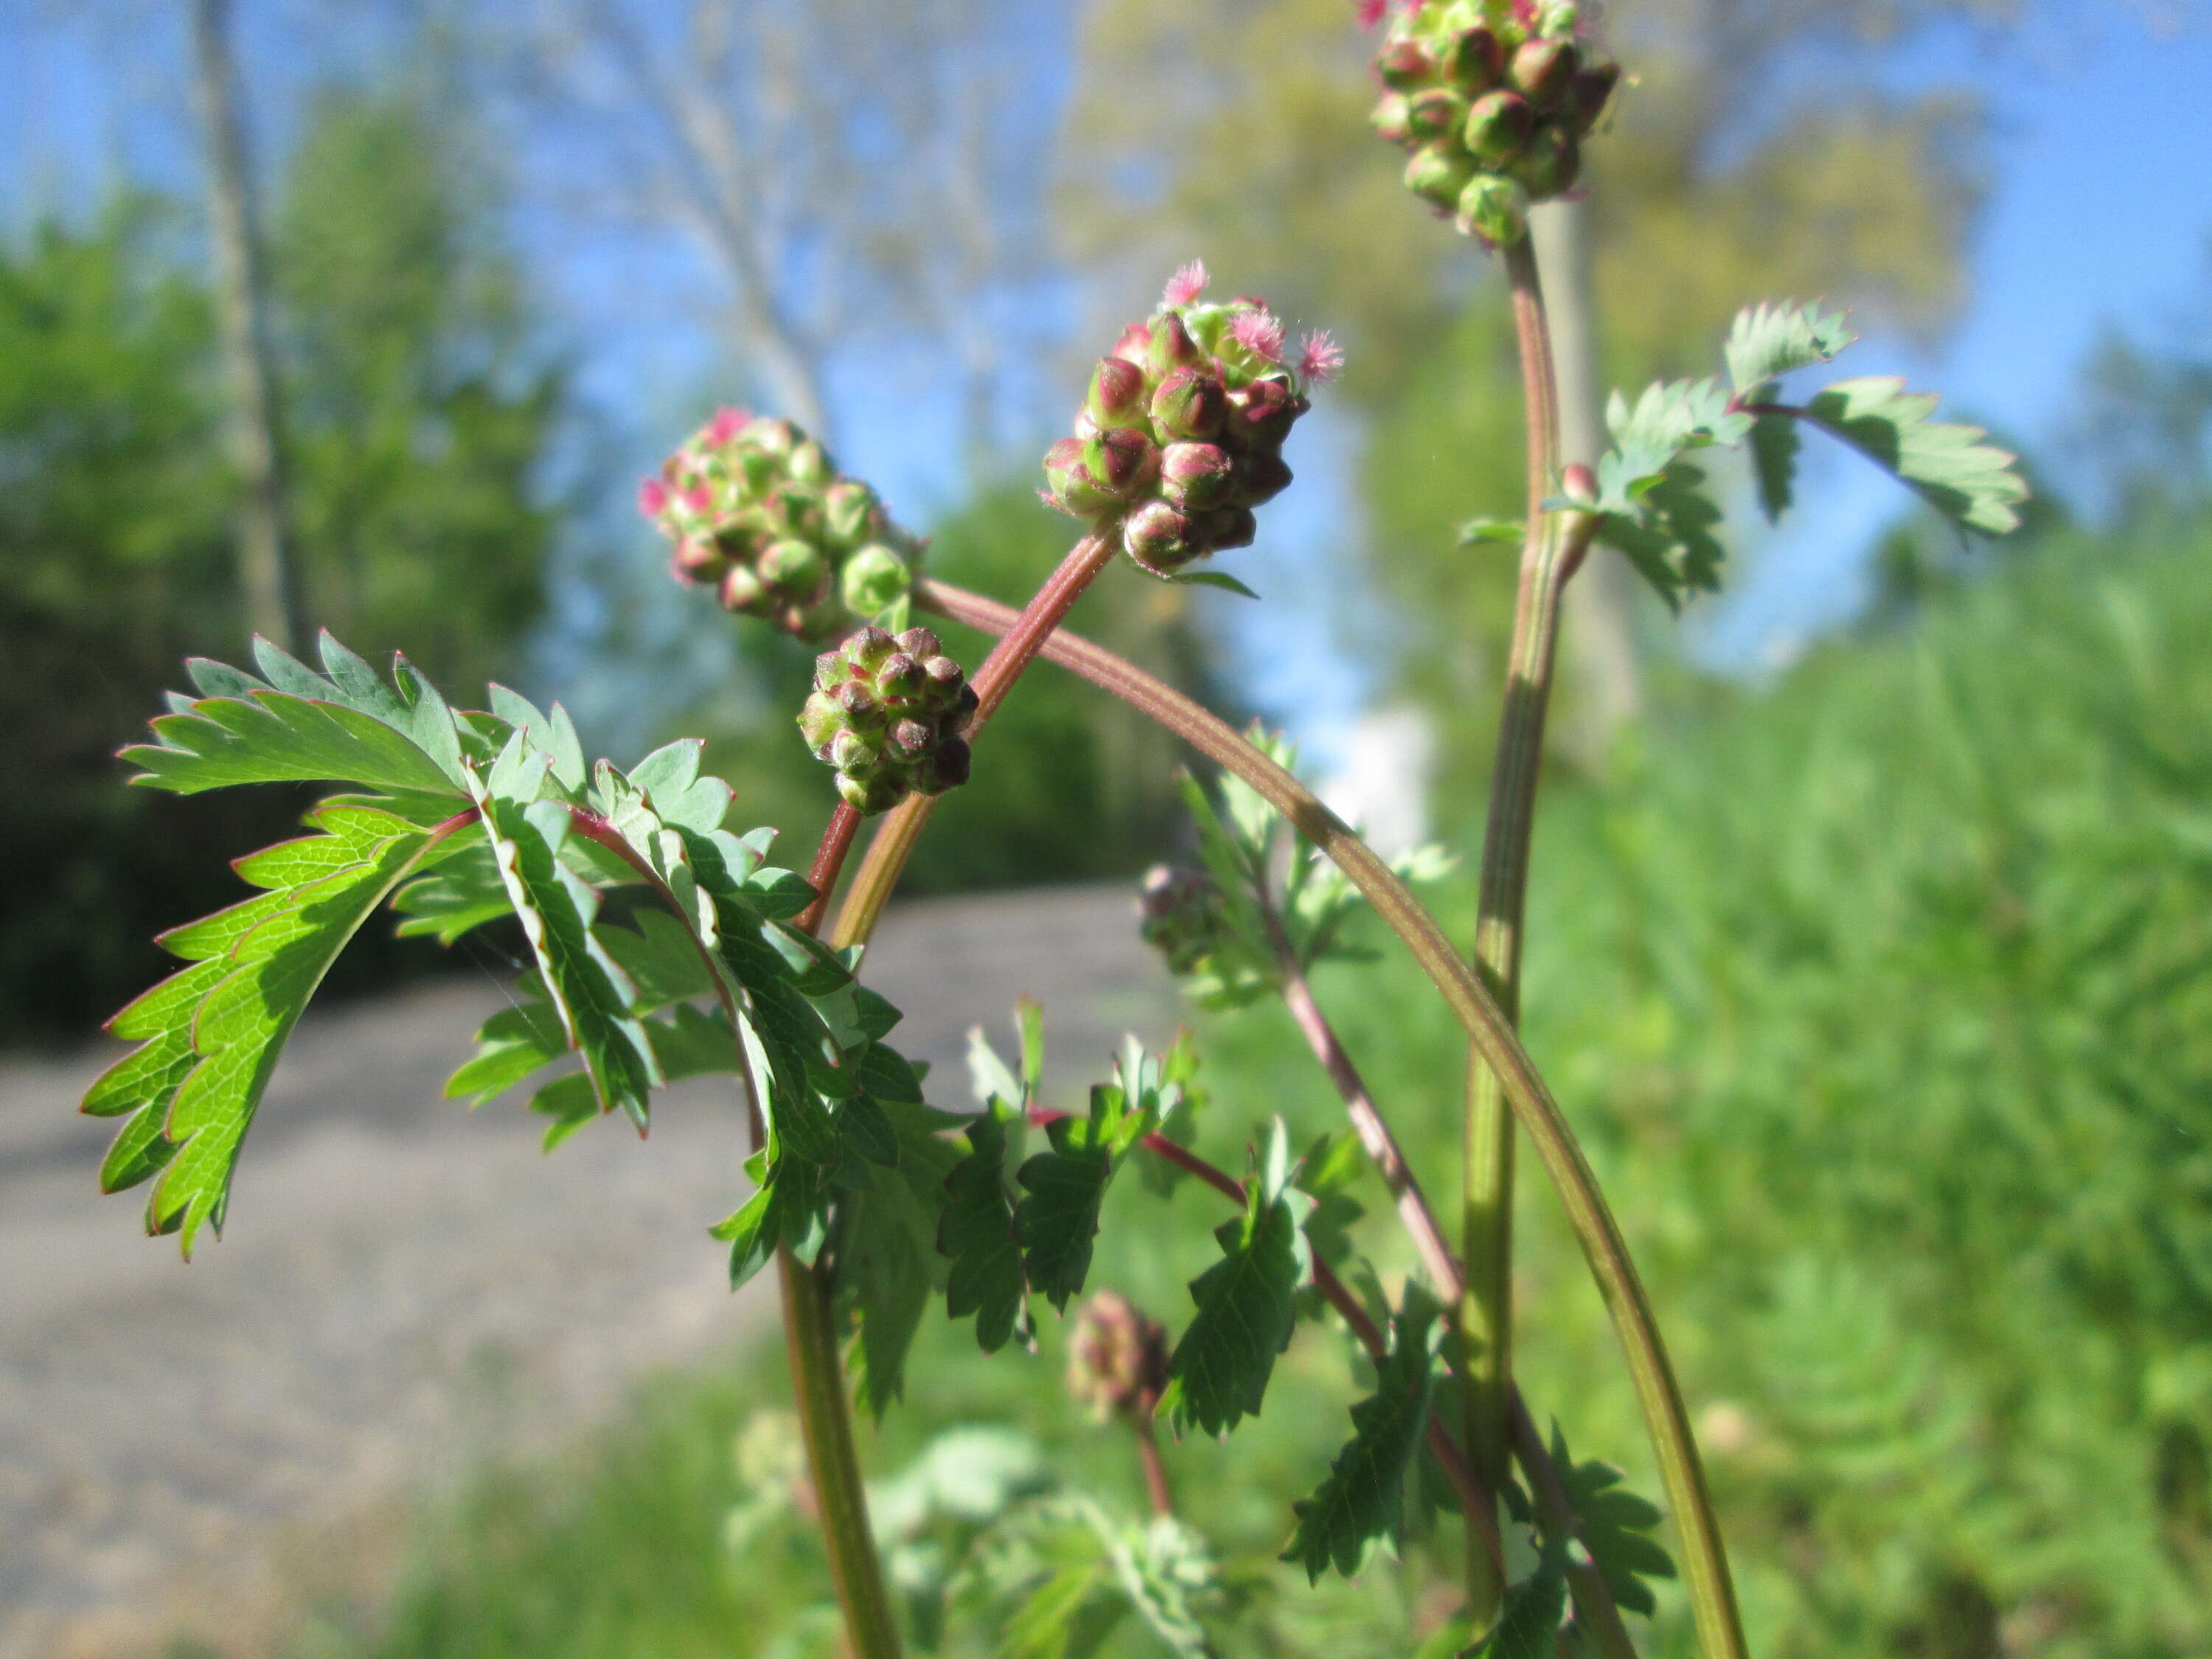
x=422 y=403
x=2143 y=444
x=1727 y=178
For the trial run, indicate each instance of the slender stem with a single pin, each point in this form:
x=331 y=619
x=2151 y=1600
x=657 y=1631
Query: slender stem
x=829 y=859
x=1705 y=1558
x=1016 y=649
x=817 y=1380
x=1594 y=1602
x=1486 y=1313
x=1156 y=1469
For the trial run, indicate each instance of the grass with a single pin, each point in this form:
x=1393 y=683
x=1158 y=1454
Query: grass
x=1881 y=998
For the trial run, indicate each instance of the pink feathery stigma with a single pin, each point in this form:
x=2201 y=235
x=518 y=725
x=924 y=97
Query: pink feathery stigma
x=1260 y=333
x=725 y=424
x=1524 y=13
x=1186 y=285
x=698 y=498
x=1320 y=356
x=652 y=498
x=1370 y=12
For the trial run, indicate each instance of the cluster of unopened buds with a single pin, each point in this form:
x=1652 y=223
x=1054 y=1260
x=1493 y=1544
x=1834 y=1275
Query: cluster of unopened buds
x=1117 y=1358
x=759 y=512
x=889 y=715
x=1493 y=98
x=1180 y=436
x=1179 y=916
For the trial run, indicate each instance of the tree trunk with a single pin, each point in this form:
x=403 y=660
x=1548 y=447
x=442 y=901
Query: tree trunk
x=268 y=575
x=1599 y=639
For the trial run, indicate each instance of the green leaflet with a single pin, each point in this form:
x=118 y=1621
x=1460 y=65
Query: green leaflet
x=888 y=1266
x=1769 y=340
x=1969 y=481
x=213 y=1032
x=1361 y=1506
x=977 y=1229
x=1616 y=1527
x=298 y=725
x=461 y=894
x=1528 y=1626
x=1247 y=1303
x=1774 y=444
x=589 y=992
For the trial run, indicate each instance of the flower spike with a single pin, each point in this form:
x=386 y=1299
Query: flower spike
x=1180 y=435
x=1494 y=114
x=759 y=512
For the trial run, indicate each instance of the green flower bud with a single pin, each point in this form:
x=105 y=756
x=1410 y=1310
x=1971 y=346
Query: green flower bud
x=1117 y=396
x=1438 y=174
x=1195 y=476
x=1180 y=914
x=1435 y=113
x=1543 y=71
x=1170 y=347
x=794 y=566
x=1158 y=537
x=1473 y=60
x=1190 y=403
x=849 y=510
x=1404 y=64
x=1551 y=164
x=741 y=589
x=1498 y=125
x=1120 y=459
x=1494 y=209
x=873 y=580
x=809 y=463
x=1392 y=117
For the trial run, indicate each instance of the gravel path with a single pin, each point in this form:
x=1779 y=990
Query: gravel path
x=404 y=1285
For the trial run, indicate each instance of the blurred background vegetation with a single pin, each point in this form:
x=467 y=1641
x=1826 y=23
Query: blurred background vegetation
x=1878 y=980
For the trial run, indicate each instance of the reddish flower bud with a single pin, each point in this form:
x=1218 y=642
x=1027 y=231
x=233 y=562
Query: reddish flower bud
x=1157 y=537
x=1262 y=413
x=1592 y=91
x=1404 y=64
x=740 y=589
x=1473 y=60
x=1135 y=345
x=1073 y=491
x=1190 y=403
x=1261 y=478
x=1117 y=1359
x=793 y=566
x=1227 y=527
x=1543 y=71
x=1195 y=476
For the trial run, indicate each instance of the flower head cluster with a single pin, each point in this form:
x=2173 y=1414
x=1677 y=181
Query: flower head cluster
x=888 y=713
x=1493 y=98
x=759 y=512
x=1182 y=434
x=1179 y=914
x=1117 y=1358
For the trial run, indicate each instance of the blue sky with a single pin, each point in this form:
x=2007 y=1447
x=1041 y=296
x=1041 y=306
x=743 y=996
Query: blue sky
x=2100 y=208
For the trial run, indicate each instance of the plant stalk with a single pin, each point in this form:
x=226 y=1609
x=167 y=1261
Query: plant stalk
x=1156 y=1488
x=1486 y=1313
x=1704 y=1557
x=817 y=1378
x=1018 y=646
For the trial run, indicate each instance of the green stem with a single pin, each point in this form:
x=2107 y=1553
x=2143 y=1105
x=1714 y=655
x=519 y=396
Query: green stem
x=817 y=1380
x=1486 y=1313
x=1016 y=649
x=1666 y=1421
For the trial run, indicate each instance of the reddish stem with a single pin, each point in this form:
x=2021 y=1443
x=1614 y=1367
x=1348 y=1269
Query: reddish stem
x=829 y=859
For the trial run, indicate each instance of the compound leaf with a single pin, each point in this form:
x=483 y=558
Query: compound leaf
x=1527 y=1626
x=977 y=1229
x=888 y=1265
x=1616 y=1527
x=1969 y=481
x=1770 y=339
